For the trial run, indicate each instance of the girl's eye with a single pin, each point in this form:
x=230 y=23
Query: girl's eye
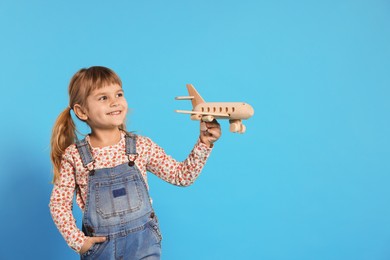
x=119 y=95
x=102 y=98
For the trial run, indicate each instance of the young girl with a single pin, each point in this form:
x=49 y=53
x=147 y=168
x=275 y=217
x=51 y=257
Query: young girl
x=107 y=171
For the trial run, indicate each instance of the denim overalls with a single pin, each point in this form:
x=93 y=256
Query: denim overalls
x=118 y=207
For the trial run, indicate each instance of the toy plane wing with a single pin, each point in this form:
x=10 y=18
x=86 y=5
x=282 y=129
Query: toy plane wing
x=185 y=98
x=202 y=113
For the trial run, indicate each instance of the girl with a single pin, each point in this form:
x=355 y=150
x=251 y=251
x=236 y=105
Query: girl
x=107 y=171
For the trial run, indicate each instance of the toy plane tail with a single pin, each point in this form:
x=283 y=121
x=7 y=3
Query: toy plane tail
x=197 y=99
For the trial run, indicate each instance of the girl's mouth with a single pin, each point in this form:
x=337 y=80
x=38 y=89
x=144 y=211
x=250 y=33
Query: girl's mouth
x=114 y=113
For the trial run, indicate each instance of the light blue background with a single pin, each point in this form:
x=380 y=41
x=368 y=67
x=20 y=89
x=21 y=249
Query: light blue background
x=309 y=179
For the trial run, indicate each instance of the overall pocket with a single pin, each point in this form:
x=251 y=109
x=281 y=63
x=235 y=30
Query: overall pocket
x=155 y=228
x=94 y=251
x=117 y=197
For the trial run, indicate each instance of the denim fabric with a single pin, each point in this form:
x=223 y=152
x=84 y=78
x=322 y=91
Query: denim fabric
x=118 y=207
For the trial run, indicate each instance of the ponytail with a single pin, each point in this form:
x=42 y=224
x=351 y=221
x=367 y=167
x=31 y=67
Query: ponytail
x=63 y=135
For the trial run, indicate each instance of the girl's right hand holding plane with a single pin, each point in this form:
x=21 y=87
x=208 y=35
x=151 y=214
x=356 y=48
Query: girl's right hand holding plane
x=209 y=132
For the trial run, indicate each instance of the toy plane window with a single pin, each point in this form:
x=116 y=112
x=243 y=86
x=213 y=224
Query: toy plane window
x=227 y=110
x=233 y=108
x=202 y=109
x=220 y=109
x=214 y=109
x=208 y=109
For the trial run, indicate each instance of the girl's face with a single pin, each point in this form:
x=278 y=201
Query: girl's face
x=106 y=108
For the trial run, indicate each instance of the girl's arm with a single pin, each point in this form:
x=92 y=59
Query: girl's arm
x=186 y=172
x=61 y=203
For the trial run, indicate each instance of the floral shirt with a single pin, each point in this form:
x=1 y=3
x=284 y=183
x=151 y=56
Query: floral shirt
x=74 y=177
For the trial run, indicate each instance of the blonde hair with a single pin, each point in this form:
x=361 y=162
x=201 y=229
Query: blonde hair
x=81 y=85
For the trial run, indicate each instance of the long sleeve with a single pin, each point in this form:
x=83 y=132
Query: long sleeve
x=178 y=173
x=61 y=203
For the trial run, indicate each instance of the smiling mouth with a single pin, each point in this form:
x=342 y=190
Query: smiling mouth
x=114 y=113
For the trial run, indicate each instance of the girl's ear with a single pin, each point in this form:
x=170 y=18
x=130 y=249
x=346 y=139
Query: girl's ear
x=80 y=112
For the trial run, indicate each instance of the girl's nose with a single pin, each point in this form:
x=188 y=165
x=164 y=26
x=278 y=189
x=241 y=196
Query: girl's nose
x=114 y=103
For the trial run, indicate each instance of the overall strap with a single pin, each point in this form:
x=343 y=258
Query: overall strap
x=131 y=151
x=84 y=151
x=131 y=144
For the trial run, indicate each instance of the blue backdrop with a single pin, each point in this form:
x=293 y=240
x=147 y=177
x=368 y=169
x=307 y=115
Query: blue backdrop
x=309 y=179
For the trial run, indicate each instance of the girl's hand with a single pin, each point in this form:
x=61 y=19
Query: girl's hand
x=89 y=242
x=209 y=132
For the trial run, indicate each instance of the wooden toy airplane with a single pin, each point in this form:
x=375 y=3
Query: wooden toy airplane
x=207 y=111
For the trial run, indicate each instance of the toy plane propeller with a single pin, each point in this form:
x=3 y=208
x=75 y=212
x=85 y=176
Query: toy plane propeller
x=207 y=111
